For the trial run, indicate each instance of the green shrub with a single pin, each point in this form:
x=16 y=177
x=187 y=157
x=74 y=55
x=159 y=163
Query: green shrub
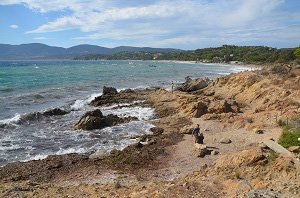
x=281 y=123
x=289 y=137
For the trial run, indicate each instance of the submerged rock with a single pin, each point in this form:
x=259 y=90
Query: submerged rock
x=53 y=112
x=95 y=120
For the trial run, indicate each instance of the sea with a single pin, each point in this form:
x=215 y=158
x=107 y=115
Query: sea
x=30 y=87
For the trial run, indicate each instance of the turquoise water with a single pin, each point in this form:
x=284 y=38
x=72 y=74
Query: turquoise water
x=33 y=86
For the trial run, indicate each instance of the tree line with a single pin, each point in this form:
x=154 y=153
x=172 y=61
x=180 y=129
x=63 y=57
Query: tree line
x=223 y=54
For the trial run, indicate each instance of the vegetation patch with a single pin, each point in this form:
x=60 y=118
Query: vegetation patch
x=289 y=137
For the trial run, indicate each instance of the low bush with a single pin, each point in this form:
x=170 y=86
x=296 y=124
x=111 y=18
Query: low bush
x=289 y=137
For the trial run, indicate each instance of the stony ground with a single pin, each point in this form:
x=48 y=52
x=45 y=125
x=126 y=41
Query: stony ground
x=168 y=166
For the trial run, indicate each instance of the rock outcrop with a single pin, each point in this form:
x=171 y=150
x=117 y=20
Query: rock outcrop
x=191 y=85
x=111 y=96
x=109 y=91
x=96 y=120
x=54 y=112
x=223 y=106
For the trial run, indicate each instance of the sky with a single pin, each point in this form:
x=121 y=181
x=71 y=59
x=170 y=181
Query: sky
x=183 y=24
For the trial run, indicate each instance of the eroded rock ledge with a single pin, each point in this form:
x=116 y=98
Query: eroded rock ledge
x=96 y=120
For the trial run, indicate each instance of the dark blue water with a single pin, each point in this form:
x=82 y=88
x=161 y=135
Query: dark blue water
x=33 y=86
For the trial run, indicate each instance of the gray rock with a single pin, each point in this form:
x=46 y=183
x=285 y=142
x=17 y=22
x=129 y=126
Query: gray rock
x=193 y=85
x=261 y=193
x=225 y=141
x=215 y=152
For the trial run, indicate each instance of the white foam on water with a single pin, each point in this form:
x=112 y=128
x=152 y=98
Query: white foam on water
x=79 y=104
x=13 y=120
x=9 y=148
x=36 y=157
x=70 y=150
x=142 y=113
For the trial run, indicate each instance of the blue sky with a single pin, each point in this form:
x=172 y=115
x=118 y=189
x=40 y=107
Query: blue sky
x=185 y=24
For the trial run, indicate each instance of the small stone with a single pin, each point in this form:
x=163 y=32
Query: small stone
x=294 y=149
x=225 y=141
x=215 y=152
x=258 y=131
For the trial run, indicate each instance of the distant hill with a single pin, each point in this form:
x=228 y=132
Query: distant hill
x=42 y=51
x=223 y=54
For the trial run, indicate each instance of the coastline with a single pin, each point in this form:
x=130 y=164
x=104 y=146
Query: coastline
x=250 y=66
x=167 y=164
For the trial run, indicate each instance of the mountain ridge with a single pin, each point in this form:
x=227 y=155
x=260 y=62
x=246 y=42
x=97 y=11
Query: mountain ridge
x=43 y=51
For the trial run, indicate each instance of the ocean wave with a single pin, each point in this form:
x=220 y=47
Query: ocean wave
x=10 y=121
x=19 y=119
x=79 y=104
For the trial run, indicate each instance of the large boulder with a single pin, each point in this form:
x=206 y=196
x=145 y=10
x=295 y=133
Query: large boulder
x=95 y=120
x=201 y=109
x=109 y=91
x=191 y=85
x=223 y=106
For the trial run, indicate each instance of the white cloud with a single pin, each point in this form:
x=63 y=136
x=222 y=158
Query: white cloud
x=166 y=22
x=14 y=26
x=40 y=38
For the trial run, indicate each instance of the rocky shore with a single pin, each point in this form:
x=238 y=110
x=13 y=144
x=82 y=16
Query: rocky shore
x=238 y=115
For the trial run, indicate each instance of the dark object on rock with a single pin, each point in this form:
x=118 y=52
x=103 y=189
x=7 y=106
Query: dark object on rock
x=139 y=145
x=53 y=112
x=95 y=120
x=109 y=90
x=191 y=85
x=156 y=130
